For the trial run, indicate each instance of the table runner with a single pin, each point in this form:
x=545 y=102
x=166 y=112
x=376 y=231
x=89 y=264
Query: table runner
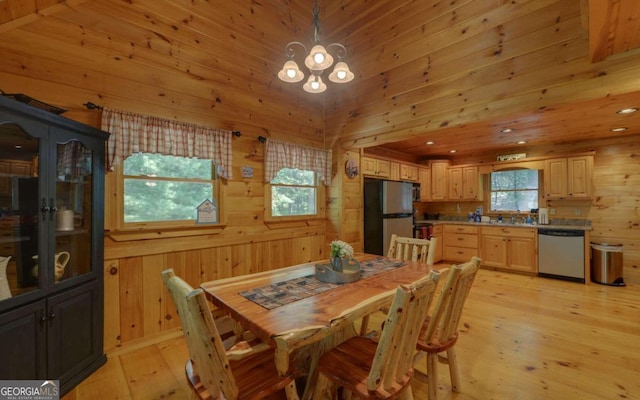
x=281 y=293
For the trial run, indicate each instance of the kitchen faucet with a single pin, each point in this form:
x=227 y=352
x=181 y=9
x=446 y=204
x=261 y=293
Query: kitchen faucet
x=513 y=219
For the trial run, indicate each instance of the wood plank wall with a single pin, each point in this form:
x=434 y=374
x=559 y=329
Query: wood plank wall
x=137 y=306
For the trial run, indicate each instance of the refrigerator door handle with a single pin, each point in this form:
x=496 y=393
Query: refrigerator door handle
x=397 y=215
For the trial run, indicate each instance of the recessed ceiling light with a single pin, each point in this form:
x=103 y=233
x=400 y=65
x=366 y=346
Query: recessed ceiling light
x=430 y=143
x=521 y=142
x=621 y=129
x=452 y=151
x=18 y=146
x=627 y=110
x=506 y=130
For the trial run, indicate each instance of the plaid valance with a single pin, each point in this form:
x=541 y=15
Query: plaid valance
x=133 y=133
x=280 y=155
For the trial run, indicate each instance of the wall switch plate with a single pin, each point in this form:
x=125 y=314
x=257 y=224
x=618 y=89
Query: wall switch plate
x=577 y=211
x=552 y=211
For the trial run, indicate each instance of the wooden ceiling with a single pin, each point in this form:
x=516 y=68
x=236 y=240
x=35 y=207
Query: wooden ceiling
x=454 y=73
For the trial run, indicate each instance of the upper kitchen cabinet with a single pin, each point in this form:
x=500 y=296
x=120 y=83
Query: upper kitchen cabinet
x=455 y=183
x=394 y=171
x=424 y=177
x=439 y=180
x=471 y=184
x=409 y=173
x=51 y=245
x=568 y=177
x=464 y=183
x=579 y=176
x=376 y=167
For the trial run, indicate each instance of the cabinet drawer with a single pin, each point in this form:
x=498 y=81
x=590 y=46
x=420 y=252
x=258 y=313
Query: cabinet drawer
x=437 y=230
x=453 y=239
x=509 y=231
x=460 y=229
x=463 y=254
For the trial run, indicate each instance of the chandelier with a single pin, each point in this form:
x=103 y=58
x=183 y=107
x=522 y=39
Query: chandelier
x=317 y=60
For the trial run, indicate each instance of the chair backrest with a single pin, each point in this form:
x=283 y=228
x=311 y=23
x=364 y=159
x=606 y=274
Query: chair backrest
x=393 y=360
x=412 y=249
x=206 y=348
x=443 y=324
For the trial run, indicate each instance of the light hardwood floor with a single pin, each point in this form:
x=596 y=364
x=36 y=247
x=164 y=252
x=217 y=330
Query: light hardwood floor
x=521 y=338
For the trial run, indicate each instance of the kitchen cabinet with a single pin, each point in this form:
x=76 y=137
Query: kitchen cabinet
x=408 y=172
x=439 y=180
x=455 y=183
x=376 y=167
x=510 y=248
x=460 y=242
x=579 y=176
x=568 y=177
x=464 y=183
x=471 y=184
x=51 y=316
x=394 y=171
x=437 y=232
x=424 y=177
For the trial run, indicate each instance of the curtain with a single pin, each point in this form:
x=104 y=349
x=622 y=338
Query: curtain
x=280 y=155
x=133 y=133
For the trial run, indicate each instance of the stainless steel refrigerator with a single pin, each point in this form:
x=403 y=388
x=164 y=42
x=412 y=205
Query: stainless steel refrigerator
x=388 y=209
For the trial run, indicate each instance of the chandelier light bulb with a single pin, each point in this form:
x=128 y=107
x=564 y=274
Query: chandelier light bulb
x=341 y=73
x=318 y=58
x=314 y=84
x=290 y=72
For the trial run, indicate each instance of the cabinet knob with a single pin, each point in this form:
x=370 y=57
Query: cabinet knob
x=52 y=209
x=43 y=318
x=51 y=317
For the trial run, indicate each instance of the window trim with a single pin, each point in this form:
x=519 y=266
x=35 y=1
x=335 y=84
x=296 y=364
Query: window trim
x=320 y=203
x=117 y=229
x=490 y=191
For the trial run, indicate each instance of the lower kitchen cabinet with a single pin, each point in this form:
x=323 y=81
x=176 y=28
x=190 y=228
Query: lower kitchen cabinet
x=437 y=233
x=460 y=242
x=509 y=248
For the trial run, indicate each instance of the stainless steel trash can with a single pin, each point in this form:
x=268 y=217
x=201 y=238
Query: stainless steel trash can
x=606 y=264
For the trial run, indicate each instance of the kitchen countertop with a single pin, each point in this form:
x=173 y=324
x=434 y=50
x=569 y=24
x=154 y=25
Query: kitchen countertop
x=564 y=224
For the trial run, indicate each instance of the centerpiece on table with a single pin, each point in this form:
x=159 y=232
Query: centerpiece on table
x=342 y=267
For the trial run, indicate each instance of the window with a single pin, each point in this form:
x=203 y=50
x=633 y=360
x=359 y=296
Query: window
x=164 y=188
x=294 y=192
x=514 y=190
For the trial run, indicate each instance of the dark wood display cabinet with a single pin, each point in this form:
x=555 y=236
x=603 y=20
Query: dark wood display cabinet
x=51 y=245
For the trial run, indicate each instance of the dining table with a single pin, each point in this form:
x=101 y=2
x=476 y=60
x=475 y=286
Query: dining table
x=292 y=311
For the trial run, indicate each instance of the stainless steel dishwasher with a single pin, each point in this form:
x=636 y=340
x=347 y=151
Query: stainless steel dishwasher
x=561 y=254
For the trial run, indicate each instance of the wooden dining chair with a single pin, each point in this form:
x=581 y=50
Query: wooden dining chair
x=244 y=372
x=406 y=249
x=439 y=333
x=369 y=369
x=412 y=249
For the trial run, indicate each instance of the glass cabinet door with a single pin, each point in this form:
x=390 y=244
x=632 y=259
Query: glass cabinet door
x=72 y=255
x=19 y=211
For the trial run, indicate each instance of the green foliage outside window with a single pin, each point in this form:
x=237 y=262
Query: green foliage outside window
x=165 y=188
x=514 y=190
x=293 y=192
